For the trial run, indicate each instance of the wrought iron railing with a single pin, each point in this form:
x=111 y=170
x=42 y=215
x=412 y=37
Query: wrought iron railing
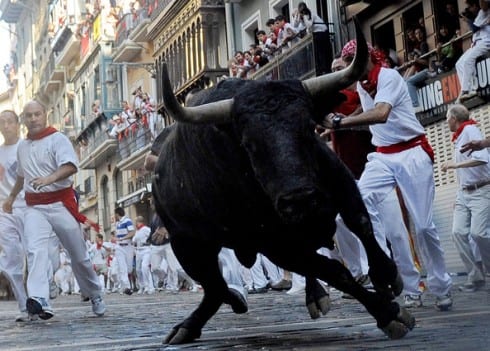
x=297 y=62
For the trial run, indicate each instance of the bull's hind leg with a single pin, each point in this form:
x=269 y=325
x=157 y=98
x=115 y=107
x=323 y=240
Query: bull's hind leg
x=201 y=263
x=317 y=298
x=394 y=320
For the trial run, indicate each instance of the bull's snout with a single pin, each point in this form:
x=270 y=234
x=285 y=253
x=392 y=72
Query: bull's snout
x=294 y=206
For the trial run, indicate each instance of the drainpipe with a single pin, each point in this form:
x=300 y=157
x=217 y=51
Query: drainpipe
x=230 y=37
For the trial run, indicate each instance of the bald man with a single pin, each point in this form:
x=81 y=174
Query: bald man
x=46 y=163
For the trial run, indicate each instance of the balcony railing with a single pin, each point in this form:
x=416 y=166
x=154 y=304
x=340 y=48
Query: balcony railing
x=297 y=62
x=123 y=29
x=138 y=137
x=158 y=6
x=94 y=143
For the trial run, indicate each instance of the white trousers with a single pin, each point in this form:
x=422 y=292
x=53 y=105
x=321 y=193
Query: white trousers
x=230 y=269
x=472 y=221
x=159 y=265
x=143 y=273
x=175 y=270
x=412 y=171
x=39 y=222
x=12 y=253
x=397 y=234
x=466 y=65
x=124 y=256
x=351 y=249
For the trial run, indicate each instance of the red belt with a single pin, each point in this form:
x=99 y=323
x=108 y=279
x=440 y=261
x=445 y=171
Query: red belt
x=420 y=140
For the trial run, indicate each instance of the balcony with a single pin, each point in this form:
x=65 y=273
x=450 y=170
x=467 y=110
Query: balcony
x=98 y=150
x=53 y=76
x=137 y=190
x=140 y=24
x=134 y=147
x=125 y=48
x=11 y=11
x=68 y=47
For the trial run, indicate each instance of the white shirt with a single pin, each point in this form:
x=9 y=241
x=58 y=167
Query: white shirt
x=482 y=20
x=41 y=158
x=401 y=125
x=471 y=175
x=99 y=256
x=141 y=236
x=8 y=173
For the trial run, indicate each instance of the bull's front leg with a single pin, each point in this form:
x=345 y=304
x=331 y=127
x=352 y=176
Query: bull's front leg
x=201 y=263
x=382 y=270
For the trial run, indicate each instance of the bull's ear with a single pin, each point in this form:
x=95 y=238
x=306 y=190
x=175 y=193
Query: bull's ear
x=215 y=112
x=324 y=86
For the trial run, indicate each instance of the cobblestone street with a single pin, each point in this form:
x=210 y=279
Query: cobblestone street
x=275 y=321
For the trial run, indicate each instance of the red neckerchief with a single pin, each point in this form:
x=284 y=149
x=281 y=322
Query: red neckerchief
x=371 y=84
x=461 y=127
x=139 y=226
x=99 y=246
x=43 y=133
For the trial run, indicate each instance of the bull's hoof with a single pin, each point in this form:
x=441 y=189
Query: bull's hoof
x=179 y=335
x=321 y=305
x=237 y=301
x=399 y=327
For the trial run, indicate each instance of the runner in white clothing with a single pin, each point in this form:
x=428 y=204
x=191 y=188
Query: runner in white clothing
x=403 y=157
x=143 y=255
x=12 y=254
x=46 y=162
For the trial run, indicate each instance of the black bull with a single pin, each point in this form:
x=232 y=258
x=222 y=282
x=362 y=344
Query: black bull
x=247 y=171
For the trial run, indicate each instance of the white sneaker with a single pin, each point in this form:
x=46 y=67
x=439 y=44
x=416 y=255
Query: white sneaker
x=98 y=306
x=39 y=306
x=295 y=290
x=23 y=317
x=468 y=95
x=444 y=302
x=412 y=301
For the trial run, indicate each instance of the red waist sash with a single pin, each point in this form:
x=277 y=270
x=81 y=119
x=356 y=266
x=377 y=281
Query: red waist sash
x=409 y=144
x=67 y=197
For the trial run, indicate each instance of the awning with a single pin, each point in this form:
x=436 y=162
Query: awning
x=132 y=198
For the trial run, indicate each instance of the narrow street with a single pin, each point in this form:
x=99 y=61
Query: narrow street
x=275 y=321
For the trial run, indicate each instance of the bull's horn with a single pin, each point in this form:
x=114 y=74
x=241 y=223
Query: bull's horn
x=215 y=112
x=332 y=82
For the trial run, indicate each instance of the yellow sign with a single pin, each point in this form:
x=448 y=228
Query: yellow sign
x=96 y=29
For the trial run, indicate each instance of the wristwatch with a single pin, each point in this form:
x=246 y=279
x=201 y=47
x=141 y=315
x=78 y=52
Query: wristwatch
x=336 y=121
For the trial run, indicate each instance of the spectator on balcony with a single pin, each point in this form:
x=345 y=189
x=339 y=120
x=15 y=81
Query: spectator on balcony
x=271 y=23
x=137 y=93
x=417 y=71
x=466 y=65
x=287 y=33
x=250 y=64
x=411 y=40
x=304 y=20
x=241 y=67
x=448 y=50
x=120 y=125
x=451 y=18
x=267 y=44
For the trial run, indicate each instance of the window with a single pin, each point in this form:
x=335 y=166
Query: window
x=249 y=30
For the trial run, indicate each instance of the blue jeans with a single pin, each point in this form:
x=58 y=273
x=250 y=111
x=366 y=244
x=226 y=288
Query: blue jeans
x=413 y=82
